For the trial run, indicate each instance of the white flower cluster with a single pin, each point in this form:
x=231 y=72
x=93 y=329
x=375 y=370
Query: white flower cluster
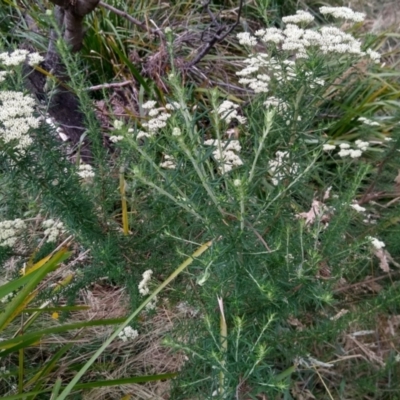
x=116 y=138
x=374 y=56
x=260 y=82
x=300 y=17
x=144 y=289
x=225 y=154
x=176 y=131
x=117 y=124
x=328 y=147
x=346 y=150
x=159 y=117
x=353 y=153
x=357 y=207
x=261 y=68
x=19 y=56
x=227 y=111
x=85 y=171
x=16 y=119
x=343 y=12
x=334 y=40
x=53 y=229
x=376 y=243
x=368 y=121
x=9 y=231
x=246 y=39
x=128 y=333
x=169 y=162
x=279 y=167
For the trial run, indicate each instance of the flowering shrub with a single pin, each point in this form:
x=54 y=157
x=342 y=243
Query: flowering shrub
x=249 y=180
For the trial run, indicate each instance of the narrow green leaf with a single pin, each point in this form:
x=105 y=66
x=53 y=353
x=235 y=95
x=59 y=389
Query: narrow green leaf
x=56 y=389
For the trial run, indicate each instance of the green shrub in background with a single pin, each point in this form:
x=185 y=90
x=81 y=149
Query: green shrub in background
x=281 y=181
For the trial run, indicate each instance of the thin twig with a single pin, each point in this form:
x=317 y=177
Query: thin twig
x=132 y=19
x=366 y=281
x=217 y=37
x=109 y=86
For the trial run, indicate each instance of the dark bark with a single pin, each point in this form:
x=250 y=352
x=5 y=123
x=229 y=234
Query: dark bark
x=63 y=104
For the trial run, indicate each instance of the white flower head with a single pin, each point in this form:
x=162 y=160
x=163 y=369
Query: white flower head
x=227 y=111
x=172 y=106
x=225 y=154
x=358 y=208
x=128 y=333
x=328 y=147
x=13 y=59
x=142 y=134
x=355 y=153
x=343 y=12
x=118 y=124
x=363 y=146
x=300 y=17
x=169 y=162
x=376 y=243
x=246 y=39
x=53 y=229
x=10 y=230
x=16 y=119
x=143 y=284
x=176 y=131
x=374 y=55
x=116 y=139
x=85 y=171
x=35 y=59
x=344 y=153
x=149 y=104
x=368 y=121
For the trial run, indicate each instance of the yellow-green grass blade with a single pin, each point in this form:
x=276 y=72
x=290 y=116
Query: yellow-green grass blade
x=21 y=299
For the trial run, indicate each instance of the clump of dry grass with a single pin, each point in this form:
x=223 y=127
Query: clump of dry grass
x=145 y=355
